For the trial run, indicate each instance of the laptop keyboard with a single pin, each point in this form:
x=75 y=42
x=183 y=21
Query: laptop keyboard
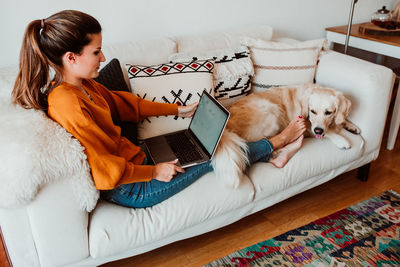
x=183 y=148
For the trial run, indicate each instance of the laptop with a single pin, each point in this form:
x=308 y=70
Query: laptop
x=198 y=143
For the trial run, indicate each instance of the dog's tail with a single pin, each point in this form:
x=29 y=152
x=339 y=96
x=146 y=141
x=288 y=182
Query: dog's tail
x=230 y=159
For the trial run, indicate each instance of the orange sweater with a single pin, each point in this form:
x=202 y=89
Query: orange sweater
x=113 y=159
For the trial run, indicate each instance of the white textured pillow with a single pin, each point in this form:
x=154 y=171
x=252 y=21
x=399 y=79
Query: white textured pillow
x=279 y=63
x=169 y=83
x=232 y=73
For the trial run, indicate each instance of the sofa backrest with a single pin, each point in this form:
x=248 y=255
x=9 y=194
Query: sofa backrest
x=220 y=40
x=7 y=79
x=153 y=52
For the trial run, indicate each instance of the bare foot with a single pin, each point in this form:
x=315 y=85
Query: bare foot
x=291 y=133
x=280 y=157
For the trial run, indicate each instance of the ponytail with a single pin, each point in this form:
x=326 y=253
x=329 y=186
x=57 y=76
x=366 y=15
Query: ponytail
x=33 y=73
x=45 y=42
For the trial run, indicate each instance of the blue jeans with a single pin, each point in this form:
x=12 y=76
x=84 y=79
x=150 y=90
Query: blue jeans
x=147 y=194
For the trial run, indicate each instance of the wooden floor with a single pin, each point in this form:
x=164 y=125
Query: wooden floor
x=299 y=210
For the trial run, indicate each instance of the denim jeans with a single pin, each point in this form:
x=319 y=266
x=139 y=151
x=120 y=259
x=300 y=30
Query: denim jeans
x=147 y=194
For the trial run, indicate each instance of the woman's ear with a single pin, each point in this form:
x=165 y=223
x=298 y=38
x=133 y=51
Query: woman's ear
x=342 y=109
x=69 y=58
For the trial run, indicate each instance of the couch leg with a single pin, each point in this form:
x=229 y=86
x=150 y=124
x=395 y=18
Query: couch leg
x=363 y=171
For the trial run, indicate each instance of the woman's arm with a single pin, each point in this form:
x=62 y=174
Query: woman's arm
x=113 y=159
x=126 y=106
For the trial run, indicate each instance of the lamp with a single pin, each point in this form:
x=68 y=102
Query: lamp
x=346 y=43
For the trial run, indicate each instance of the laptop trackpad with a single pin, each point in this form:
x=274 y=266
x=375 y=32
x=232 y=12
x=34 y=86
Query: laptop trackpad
x=160 y=150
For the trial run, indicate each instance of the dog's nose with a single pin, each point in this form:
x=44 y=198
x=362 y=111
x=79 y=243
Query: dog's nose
x=318 y=131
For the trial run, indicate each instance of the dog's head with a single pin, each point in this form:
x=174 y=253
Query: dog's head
x=327 y=109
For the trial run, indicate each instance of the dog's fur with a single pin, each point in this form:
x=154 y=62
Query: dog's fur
x=266 y=114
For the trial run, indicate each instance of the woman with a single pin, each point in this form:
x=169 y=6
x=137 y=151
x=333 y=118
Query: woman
x=70 y=43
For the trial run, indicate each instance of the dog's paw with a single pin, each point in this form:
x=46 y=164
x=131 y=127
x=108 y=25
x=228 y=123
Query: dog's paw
x=351 y=127
x=339 y=140
x=344 y=145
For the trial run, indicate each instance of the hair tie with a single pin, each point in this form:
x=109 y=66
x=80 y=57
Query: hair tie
x=42 y=23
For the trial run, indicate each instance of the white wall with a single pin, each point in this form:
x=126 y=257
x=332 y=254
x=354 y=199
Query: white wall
x=144 y=19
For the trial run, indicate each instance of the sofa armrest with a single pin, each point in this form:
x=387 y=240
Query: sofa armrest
x=368 y=86
x=59 y=226
x=17 y=237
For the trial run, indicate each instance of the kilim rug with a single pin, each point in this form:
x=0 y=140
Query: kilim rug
x=366 y=234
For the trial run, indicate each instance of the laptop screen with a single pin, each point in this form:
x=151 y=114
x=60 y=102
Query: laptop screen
x=208 y=122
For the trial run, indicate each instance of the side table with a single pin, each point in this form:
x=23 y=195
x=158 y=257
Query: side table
x=382 y=46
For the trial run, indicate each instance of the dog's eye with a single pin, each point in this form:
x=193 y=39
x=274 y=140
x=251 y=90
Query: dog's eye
x=313 y=111
x=328 y=113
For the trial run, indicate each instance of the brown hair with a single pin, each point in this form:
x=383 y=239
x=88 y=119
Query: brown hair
x=44 y=43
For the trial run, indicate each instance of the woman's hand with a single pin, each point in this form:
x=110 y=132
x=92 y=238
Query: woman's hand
x=165 y=171
x=187 y=111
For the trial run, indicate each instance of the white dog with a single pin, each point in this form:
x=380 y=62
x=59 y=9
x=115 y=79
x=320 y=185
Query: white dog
x=266 y=114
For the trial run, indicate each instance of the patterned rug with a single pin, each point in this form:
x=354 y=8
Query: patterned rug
x=366 y=234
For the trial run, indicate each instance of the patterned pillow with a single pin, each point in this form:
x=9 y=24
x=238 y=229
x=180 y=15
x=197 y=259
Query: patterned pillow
x=279 y=63
x=169 y=83
x=232 y=73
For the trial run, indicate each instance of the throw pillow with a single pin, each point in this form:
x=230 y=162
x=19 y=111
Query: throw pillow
x=232 y=73
x=279 y=63
x=169 y=83
x=112 y=77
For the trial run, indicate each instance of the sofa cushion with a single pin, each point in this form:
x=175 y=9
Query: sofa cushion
x=169 y=83
x=115 y=229
x=232 y=73
x=283 y=63
x=316 y=157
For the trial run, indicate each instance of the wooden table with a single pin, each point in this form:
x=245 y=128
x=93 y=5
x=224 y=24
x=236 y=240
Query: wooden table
x=382 y=46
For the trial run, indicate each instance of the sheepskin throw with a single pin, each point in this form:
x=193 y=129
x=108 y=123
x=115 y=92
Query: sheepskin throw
x=35 y=151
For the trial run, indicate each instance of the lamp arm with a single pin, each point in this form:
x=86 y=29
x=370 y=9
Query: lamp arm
x=346 y=43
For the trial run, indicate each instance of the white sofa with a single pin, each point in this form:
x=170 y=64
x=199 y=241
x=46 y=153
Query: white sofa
x=53 y=230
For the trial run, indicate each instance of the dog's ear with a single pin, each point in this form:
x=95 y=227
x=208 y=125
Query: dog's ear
x=305 y=99
x=342 y=108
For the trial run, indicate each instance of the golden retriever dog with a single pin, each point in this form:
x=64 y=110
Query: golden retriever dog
x=266 y=114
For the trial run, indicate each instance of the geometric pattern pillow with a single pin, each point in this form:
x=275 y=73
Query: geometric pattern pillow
x=279 y=63
x=169 y=83
x=232 y=72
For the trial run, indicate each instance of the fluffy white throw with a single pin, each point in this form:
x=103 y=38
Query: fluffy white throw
x=34 y=151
